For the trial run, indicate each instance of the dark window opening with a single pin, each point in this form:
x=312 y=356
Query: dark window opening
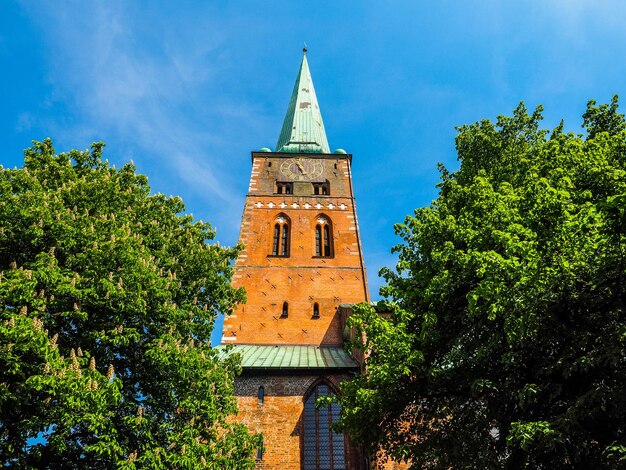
x=285 y=241
x=323 y=238
x=321 y=189
x=259 y=452
x=281 y=238
x=318 y=240
x=269 y=163
x=261 y=395
x=285 y=312
x=284 y=188
x=316 y=310
x=275 y=243
x=326 y=240
x=323 y=448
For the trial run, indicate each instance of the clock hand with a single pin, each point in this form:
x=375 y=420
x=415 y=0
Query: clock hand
x=304 y=172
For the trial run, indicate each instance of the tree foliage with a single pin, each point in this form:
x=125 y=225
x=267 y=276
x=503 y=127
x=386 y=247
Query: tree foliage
x=108 y=297
x=505 y=346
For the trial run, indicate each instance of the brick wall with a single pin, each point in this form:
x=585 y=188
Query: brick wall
x=279 y=418
x=301 y=279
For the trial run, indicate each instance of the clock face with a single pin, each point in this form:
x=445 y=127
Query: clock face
x=302 y=169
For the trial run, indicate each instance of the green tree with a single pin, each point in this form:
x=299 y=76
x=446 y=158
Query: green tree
x=505 y=342
x=108 y=297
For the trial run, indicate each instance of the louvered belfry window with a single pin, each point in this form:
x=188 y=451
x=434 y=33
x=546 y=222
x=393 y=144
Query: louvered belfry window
x=323 y=448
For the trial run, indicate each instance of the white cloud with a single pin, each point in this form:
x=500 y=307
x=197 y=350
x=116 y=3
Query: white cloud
x=149 y=86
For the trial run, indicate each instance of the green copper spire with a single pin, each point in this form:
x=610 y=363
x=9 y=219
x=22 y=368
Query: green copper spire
x=303 y=129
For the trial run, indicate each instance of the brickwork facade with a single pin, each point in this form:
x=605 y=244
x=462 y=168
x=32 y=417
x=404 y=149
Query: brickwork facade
x=301 y=278
x=313 y=285
x=301 y=261
x=280 y=416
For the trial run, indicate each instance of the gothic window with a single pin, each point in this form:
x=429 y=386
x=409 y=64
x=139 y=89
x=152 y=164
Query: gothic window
x=285 y=312
x=323 y=448
x=323 y=238
x=261 y=395
x=281 y=238
x=321 y=189
x=316 y=310
x=284 y=188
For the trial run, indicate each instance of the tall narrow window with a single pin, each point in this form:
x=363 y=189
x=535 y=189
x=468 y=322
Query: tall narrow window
x=323 y=448
x=261 y=395
x=318 y=240
x=276 y=239
x=316 y=310
x=323 y=238
x=285 y=241
x=259 y=451
x=281 y=238
x=326 y=240
x=285 y=312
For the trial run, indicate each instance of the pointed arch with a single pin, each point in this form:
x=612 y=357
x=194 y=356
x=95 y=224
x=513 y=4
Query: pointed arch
x=316 y=310
x=285 y=311
x=323 y=448
x=323 y=236
x=281 y=239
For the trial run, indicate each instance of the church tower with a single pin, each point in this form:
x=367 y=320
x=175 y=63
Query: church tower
x=302 y=266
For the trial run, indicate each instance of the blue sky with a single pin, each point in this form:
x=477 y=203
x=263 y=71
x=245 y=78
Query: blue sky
x=187 y=89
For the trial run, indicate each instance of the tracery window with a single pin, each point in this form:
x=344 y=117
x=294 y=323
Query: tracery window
x=281 y=238
x=323 y=448
x=323 y=237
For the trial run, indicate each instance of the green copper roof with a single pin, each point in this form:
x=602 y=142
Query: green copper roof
x=303 y=129
x=292 y=357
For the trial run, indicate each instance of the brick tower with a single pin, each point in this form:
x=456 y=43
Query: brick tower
x=302 y=266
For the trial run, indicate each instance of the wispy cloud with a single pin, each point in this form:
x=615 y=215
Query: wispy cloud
x=151 y=87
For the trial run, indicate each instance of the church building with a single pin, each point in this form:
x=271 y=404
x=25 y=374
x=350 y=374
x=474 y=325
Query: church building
x=302 y=267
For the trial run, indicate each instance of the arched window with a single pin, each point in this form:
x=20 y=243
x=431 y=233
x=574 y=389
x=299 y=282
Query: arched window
x=316 y=310
x=323 y=237
x=285 y=312
x=323 y=448
x=321 y=189
x=281 y=238
x=284 y=188
x=261 y=395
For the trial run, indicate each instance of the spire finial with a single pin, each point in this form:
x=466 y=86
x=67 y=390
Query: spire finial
x=304 y=49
